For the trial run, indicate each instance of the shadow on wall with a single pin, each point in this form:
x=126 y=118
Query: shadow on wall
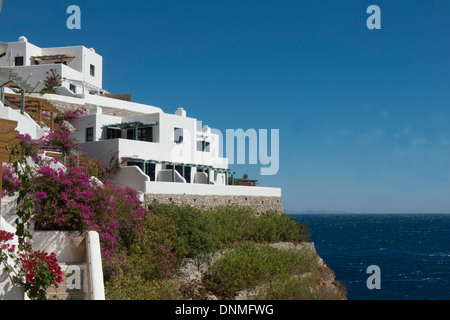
x=7 y=290
x=63 y=243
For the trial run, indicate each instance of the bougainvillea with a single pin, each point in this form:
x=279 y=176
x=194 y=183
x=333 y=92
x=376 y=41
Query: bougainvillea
x=41 y=270
x=59 y=140
x=165 y=258
x=52 y=81
x=69 y=115
x=10 y=182
x=68 y=198
x=34 y=270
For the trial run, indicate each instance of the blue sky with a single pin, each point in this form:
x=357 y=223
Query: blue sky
x=363 y=114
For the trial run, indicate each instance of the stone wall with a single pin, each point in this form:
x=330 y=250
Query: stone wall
x=257 y=204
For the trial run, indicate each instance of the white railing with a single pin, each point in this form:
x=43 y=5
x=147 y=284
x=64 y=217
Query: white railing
x=94 y=267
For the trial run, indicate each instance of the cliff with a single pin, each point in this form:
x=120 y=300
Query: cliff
x=320 y=282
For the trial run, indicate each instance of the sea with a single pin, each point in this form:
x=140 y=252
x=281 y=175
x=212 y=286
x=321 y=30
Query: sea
x=410 y=252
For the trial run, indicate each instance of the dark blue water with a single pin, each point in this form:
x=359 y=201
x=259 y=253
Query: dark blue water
x=411 y=250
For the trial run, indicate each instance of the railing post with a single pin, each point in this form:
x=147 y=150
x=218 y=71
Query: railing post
x=40 y=114
x=2 y=94
x=22 y=101
x=88 y=266
x=94 y=266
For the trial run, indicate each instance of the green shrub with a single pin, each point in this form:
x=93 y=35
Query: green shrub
x=230 y=224
x=173 y=232
x=160 y=249
x=161 y=229
x=204 y=231
x=308 y=287
x=130 y=286
x=191 y=227
x=250 y=264
x=290 y=289
x=275 y=227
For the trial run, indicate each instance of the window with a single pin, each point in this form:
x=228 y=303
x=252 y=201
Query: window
x=113 y=133
x=73 y=88
x=187 y=174
x=89 y=134
x=18 y=61
x=178 y=135
x=130 y=134
x=151 y=171
x=145 y=134
x=180 y=170
x=92 y=70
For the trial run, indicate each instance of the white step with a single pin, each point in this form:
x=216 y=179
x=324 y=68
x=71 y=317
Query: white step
x=65 y=293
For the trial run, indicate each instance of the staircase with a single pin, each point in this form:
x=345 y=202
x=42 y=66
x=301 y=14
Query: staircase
x=74 y=285
x=80 y=282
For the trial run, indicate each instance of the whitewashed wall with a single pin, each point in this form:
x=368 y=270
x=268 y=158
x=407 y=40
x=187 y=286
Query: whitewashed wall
x=205 y=189
x=133 y=177
x=25 y=125
x=77 y=68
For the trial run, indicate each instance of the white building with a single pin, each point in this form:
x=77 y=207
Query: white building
x=168 y=154
x=81 y=67
x=161 y=148
x=157 y=143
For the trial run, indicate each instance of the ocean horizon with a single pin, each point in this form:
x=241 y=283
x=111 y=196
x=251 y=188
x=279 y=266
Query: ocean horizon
x=293 y=212
x=412 y=251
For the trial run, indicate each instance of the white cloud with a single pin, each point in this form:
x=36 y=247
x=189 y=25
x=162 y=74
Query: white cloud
x=406 y=131
x=419 y=142
x=444 y=141
x=372 y=134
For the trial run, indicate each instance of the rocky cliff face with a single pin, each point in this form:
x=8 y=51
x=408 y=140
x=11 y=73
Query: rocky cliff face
x=194 y=274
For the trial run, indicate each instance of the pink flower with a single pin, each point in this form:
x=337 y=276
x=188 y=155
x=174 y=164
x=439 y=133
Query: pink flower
x=66 y=182
x=41 y=195
x=6 y=236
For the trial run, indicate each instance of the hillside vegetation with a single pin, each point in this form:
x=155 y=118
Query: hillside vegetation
x=165 y=251
x=187 y=253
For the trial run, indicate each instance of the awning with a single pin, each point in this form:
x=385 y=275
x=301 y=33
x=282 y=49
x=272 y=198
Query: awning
x=133 y=124
x=191 y=165
x=60 y=56
x=87 y=86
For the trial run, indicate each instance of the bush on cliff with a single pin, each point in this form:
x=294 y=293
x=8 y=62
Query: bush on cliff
x=184 y=231
x=205 y=231
x=190 y=224
x=250 y=264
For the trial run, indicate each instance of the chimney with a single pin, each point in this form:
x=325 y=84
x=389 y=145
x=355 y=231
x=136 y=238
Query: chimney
x=180 y=112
